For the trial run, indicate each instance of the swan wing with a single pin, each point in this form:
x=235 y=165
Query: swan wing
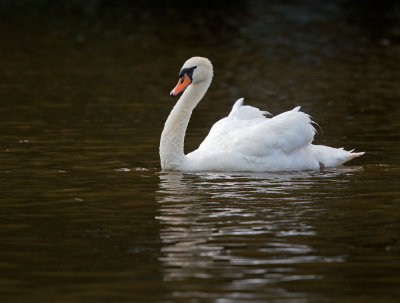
x=246 y=131
x=246 y=112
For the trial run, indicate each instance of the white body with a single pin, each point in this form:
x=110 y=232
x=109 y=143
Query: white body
x=245 y=140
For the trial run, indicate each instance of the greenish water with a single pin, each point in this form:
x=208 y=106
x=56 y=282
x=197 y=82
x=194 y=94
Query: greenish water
x=87 y=216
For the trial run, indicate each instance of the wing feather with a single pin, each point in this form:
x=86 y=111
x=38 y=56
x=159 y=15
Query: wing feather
x=247 y=131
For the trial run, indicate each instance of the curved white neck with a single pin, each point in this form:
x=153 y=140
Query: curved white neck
x=173 y=136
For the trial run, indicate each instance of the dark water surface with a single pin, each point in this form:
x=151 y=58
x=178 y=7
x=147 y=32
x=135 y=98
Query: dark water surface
x=87 y=216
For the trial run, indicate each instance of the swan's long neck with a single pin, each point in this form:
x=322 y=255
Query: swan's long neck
x=173 y=136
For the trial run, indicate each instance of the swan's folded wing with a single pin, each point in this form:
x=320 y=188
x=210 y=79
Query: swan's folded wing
x=289 y=131
x=226 y=131
x=259 y=136
x=246 y=112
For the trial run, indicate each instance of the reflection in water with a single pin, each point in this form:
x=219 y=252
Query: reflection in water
x=252 y=230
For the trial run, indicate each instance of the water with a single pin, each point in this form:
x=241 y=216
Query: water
x=87 y=216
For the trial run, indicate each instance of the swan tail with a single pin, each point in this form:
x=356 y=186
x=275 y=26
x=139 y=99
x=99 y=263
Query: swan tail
x=342 y=156
x=331 y=157
x=352 y=155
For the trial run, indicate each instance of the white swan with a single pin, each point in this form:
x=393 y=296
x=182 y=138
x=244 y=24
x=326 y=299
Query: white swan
x=245 y=140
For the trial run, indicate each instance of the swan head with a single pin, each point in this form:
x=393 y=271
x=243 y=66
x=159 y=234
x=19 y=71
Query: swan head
x=195 y=70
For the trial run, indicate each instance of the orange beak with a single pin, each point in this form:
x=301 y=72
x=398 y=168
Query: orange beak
x=183 y=82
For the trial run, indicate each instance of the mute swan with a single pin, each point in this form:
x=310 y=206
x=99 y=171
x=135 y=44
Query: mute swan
x=245 y=140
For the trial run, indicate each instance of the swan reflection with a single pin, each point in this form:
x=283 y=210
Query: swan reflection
x=246 y=227
x=180 y=186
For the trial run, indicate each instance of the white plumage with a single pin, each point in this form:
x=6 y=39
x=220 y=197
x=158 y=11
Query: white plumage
x=245 y=140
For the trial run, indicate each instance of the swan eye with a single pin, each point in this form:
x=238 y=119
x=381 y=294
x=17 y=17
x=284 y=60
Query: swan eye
x=188 y=72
